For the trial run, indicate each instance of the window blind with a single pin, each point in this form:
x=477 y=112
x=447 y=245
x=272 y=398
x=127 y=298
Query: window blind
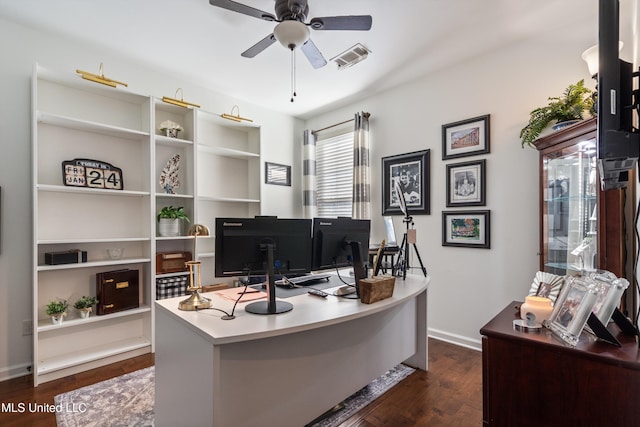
x=334 y=179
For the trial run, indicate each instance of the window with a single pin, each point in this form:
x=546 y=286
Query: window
x=334 y=179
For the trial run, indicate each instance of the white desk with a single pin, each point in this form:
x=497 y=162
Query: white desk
x=284 y=369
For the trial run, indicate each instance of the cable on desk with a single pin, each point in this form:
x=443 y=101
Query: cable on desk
x=231 y=316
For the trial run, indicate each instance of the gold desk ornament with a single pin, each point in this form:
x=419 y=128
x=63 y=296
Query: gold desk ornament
x=100 y=78
x=236 y=117
x=179 y=102
x=195 y=301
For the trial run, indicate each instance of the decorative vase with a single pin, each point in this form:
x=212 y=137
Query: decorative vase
x=169 y=227
x=172 y=133
x=84 y=312
x=57 y=319
x=536 y=309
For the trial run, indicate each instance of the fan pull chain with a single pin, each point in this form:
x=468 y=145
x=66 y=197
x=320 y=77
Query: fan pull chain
x=293 y=74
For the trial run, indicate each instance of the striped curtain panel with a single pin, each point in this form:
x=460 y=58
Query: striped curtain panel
x=361 y=168
x=309 y=194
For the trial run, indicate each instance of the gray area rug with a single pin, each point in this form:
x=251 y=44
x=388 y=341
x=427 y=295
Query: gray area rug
x=127 y=401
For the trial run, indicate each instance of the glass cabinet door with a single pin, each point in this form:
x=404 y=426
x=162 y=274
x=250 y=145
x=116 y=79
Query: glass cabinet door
x=570 y=196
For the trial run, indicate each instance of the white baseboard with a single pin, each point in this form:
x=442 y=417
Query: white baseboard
x=473 y=344
x=15 y=371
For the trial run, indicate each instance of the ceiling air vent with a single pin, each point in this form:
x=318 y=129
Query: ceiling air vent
x=351 y=56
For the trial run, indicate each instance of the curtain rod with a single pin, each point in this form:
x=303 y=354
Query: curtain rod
x=367 y=115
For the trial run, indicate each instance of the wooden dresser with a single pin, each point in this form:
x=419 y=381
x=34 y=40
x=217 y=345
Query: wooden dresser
x=534 y=379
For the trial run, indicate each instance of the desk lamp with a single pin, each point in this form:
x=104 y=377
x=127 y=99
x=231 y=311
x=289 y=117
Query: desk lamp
x=195 y=301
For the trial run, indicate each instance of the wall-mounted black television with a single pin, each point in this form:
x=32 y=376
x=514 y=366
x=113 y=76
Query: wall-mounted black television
x=341 y=242
x=263 y=246
x=618 y=143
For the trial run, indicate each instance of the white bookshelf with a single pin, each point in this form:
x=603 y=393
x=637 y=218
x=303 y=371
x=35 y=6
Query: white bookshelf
x=226 y=148
x=220 y=175
x=77 y=119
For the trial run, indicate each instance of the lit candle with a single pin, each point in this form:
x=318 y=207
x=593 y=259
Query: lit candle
x=536 y=309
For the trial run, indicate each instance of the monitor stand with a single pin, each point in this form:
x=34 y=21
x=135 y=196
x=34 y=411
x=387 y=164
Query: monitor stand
x=358 y=265
x=271 y=306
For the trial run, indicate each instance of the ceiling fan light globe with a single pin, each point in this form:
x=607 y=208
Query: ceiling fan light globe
x=291 y=34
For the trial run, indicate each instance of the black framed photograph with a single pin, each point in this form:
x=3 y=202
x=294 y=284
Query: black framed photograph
x=465 y=138
x=572 y=309
x=466 y=184
x=277 y=174
x=407 y=174
x=468 y=229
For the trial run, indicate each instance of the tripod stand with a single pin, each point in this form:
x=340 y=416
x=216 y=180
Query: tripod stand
x=402 y=264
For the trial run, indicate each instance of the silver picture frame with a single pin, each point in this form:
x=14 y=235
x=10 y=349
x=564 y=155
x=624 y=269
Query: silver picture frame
x=572 y=308
x=612 y=290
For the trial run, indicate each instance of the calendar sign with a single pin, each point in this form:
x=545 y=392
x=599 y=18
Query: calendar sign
x=91 y=173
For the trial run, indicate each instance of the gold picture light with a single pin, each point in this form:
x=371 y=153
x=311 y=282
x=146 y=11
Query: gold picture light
x=195 y=301
x=100 y=78
x=179 y=102
x=235 y=118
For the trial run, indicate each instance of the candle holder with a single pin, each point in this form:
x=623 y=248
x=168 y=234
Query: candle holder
x=195 y=301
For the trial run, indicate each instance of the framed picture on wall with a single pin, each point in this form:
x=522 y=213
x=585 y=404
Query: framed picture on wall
x=466 y=184
x=465 y=138
x=468 y=229
x=277 y=174
x=411 y=172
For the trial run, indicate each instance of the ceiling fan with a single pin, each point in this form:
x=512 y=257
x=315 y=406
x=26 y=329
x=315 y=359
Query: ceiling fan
x=292 y=31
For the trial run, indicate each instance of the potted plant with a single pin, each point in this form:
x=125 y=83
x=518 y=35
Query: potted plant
x=564 y=110
x=168 y=220
x=84 y=305
x=170 y=128
x=57 y=310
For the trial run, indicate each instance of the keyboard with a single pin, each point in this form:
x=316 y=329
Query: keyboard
x=307 y=280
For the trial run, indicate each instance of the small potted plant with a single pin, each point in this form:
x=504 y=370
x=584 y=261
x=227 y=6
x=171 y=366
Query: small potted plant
x=84 y=305
x=564 y=110
x=57 y=310
x=169 y=220
x=170 y=128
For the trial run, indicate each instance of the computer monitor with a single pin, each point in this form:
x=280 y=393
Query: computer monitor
x=263 y=246
x=338 y=243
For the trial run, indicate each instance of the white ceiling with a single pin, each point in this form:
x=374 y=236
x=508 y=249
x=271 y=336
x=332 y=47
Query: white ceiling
x=408 y=39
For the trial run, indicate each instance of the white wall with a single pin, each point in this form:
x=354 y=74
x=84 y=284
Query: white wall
x=20 y=48
x=471 y=285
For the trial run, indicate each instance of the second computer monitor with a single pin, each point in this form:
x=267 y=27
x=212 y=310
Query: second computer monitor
x=333 y=239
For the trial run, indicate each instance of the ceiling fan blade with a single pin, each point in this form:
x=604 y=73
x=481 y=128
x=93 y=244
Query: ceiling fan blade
x=351 y=22
x=259 y=47
x=313 y=54
x=241 y=8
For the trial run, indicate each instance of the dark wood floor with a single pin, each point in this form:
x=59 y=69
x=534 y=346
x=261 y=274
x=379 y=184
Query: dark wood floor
x=449 y=394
